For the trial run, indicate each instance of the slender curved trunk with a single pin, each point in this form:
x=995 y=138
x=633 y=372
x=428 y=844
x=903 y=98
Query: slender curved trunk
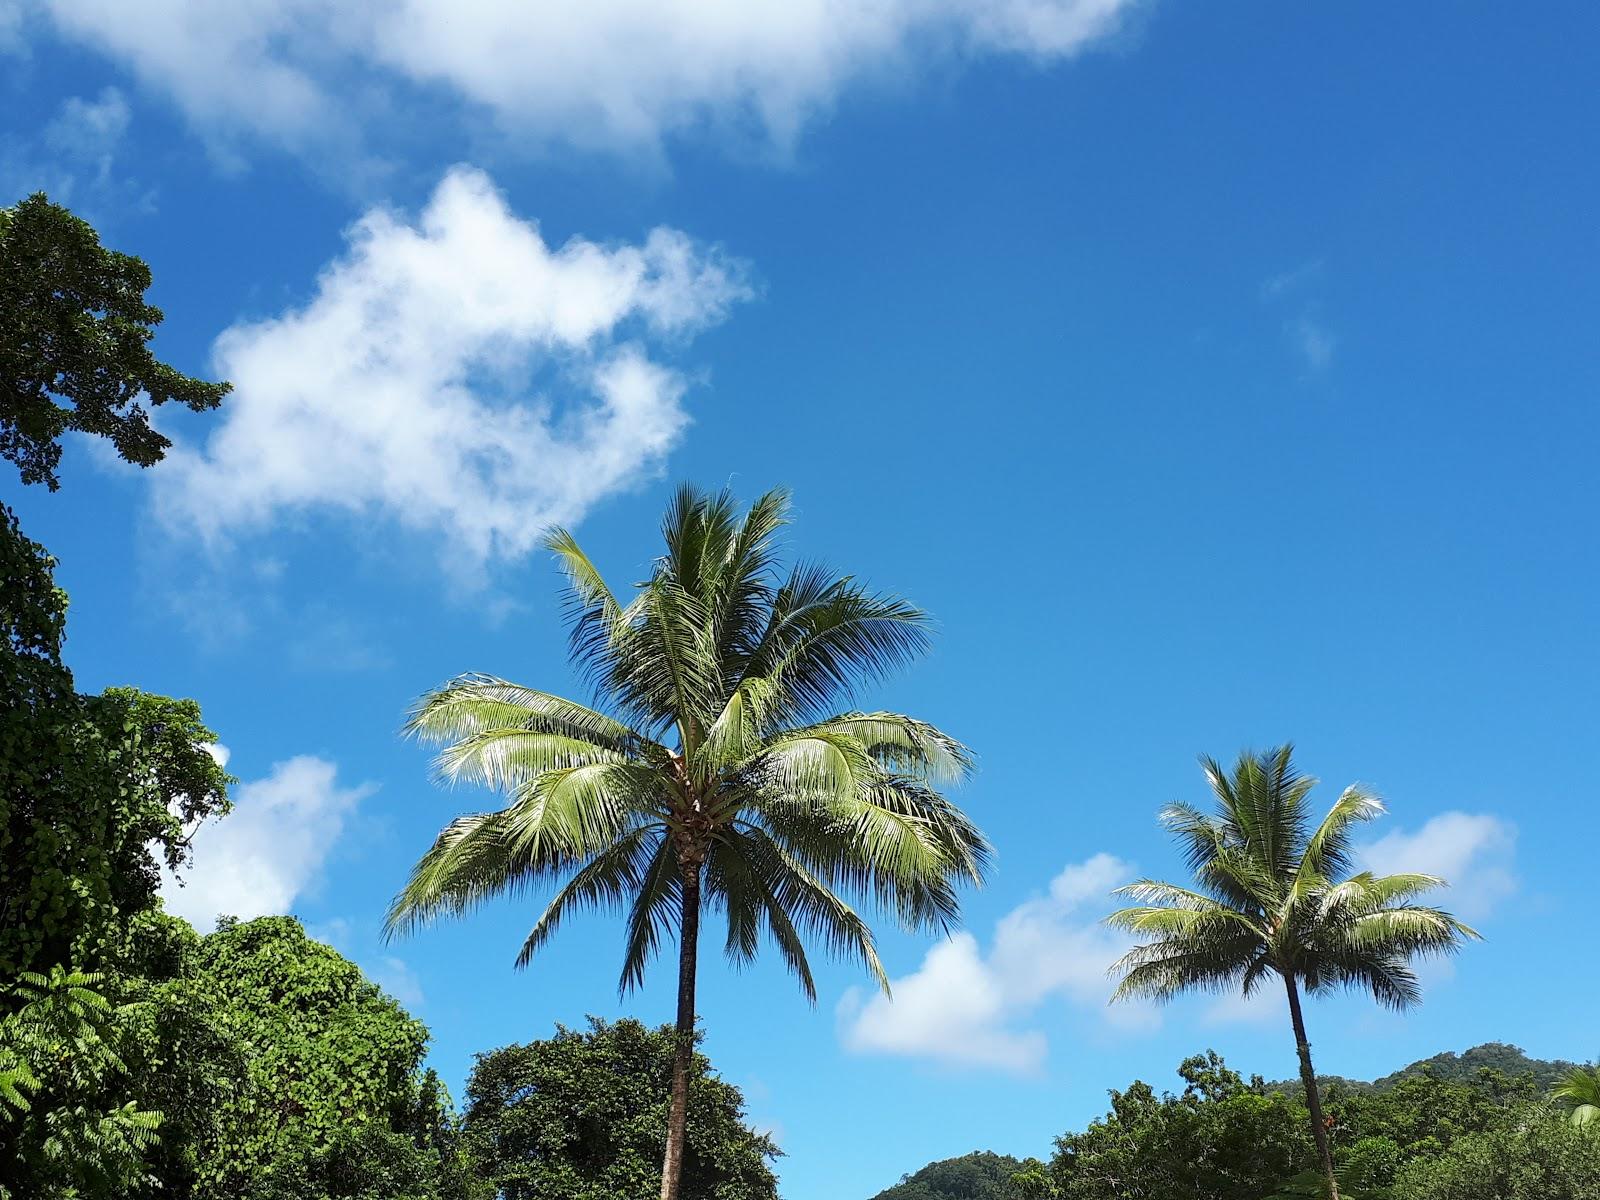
x=1308 y=1079
x=678 y=1116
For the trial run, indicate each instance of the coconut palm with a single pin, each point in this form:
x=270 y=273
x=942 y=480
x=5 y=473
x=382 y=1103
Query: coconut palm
x=711 y=771
x=1579 y=1090
x=1276 y=896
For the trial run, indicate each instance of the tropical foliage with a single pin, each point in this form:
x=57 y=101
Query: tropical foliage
x=1410 y=1136
x=1279 y=897
x=95 y=791
x=59 y=1134
x=713 y=772
x=583 y=1116
x=1579 y=1092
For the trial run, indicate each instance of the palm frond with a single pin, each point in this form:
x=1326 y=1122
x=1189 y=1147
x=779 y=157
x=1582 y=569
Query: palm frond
x=474 y=704
x=904 y=745
x=605 y=881
x=805 y=901
x=657 y=908
x=1328 y=851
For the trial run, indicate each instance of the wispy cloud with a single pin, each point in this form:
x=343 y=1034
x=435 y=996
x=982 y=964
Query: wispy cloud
x=610 y=74
x=455 y=377
x=967 y=1006
x=1305 y=330
x=78 y=159
x=1313 y=341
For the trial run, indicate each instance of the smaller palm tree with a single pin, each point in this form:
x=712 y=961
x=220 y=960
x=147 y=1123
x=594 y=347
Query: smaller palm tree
x=1278 y=897
x=1579 y=1090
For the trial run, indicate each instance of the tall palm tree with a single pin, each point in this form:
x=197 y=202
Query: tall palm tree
x=1276 y=896
x=711 y=771
x=1579 y=1090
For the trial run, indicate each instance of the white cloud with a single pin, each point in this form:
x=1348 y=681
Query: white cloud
x=1472 y=851
x=608 y=73
x=269 y=851
x=962 y=1006
x=457 y=376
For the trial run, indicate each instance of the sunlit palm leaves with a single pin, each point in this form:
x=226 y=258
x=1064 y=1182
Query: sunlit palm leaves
x=1274 y=897
x=712 y=746
x=1579 y=1091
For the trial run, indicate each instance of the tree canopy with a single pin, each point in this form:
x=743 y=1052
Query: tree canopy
x=75 y=355
x=583 y=1116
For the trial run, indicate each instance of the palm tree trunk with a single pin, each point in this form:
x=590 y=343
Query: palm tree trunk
x=678 y=1115
x=1308 y=1079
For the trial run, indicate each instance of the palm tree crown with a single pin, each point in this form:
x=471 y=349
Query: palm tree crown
x=711 y=770
x=1279 y=897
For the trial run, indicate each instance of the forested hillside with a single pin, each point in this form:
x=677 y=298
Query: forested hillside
x=1413 y=1134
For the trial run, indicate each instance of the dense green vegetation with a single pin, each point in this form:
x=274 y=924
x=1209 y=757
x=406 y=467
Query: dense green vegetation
x=1413 y=1135
x=982 y=1175
x=583 y=1116
x=1494 y=1056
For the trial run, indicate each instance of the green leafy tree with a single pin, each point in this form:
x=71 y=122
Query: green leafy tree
x=1536 y=1156
x=583 y=1116
x=75 y=353
x=92 y=788
x=333 y=1104
x=1579 y=1092
x=1277 y=898
x=60 y=1139
x=1219 y=1139
x=711 y=772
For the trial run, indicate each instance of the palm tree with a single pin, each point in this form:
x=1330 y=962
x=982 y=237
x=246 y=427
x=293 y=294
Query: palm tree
x=711 y=770
x=1579 y=1089
x=1276 y=897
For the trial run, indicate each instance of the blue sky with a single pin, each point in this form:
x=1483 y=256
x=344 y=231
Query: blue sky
x=1216 y=374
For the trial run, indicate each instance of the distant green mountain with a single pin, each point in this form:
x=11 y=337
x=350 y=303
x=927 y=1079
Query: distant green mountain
x=1497 y=1056
x=981 y=1175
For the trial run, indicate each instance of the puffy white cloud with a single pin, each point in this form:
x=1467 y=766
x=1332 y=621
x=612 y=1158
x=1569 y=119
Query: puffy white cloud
x=1472 y=852
x=607 y=73
x=457 y=376
x=963 y=1006
x=269 y=851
